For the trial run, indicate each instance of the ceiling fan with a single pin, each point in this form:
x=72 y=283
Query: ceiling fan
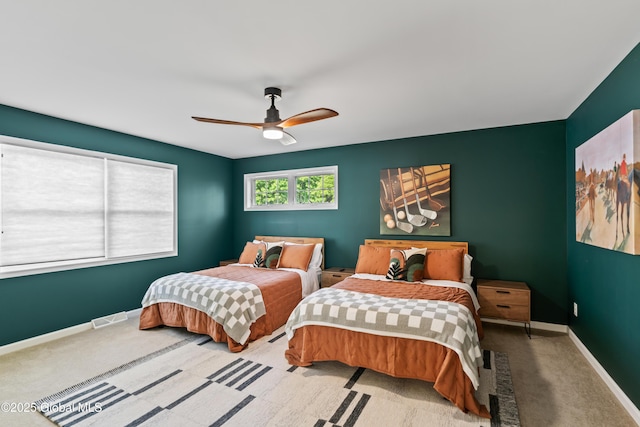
x=273 y=126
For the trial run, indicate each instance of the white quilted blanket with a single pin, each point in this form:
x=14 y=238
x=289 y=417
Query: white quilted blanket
x=234 y=305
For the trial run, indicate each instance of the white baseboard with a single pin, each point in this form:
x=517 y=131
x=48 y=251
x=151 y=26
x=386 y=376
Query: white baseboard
x=134 y=313
x=615 y=389
x=41 y=339
x=543 y=326
x=51 y=336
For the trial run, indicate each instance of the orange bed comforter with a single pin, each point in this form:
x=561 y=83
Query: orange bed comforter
x=398 y=357
x=281 y=291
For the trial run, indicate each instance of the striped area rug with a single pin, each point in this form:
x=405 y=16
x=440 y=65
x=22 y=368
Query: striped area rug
x=197 y=382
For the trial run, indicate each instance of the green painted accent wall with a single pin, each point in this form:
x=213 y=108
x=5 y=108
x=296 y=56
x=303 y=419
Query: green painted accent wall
x=604 y=283
x=507 y=199
x=38 y=304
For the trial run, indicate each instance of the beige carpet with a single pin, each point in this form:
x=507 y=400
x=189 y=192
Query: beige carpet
x=554 y=384
x=197 y=382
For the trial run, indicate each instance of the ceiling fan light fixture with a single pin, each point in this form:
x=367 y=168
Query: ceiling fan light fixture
x=272 y=132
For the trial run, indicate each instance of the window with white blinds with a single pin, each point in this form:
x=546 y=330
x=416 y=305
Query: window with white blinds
x=64 y=208
x=139 y=209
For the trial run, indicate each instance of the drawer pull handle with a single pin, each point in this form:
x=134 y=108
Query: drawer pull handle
x=504 y=306
x=336 y=275
x=503 y=292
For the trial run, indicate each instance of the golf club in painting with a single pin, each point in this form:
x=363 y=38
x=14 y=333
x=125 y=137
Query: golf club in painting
x=417 y=220
x=404 y=226
x=427 y=213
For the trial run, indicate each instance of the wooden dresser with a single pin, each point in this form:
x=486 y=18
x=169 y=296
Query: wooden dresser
x=333 y=275
x=505 y=300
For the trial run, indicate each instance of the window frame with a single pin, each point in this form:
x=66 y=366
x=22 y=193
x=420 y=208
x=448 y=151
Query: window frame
x=290 y=175
x=48 y=267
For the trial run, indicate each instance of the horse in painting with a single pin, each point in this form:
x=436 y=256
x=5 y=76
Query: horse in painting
x=623 y=197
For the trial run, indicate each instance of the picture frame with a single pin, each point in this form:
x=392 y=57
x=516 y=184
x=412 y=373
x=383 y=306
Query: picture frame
x=416 y=200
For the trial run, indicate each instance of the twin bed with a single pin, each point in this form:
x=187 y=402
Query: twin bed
x=255 y=315
x=402 y=317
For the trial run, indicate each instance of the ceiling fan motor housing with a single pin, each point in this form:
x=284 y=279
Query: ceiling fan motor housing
x=273 y=94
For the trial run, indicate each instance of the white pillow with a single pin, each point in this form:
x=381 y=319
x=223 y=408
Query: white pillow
x=316 y=258
x=466 y=270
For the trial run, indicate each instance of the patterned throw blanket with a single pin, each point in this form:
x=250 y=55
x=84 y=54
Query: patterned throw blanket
x=234 y=305
x=447 y=323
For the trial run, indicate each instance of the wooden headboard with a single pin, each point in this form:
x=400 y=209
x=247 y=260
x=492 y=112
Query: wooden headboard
x=406 y=244
x=299 y=240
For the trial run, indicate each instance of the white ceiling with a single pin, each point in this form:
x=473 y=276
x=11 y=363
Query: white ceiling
x=392 y=69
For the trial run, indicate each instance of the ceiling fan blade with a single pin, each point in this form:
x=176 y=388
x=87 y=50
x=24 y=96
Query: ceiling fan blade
x=228 y=122
x=307 y=117
x=287 y=139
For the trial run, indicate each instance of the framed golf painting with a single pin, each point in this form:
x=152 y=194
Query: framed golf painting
x=416 y=200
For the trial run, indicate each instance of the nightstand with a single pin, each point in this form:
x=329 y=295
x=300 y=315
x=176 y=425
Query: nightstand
x=333 y=275
x=228 y=261
x=501 y=299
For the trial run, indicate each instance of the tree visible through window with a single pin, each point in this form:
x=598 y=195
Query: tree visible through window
x=299 y=189
x=315 y=189
x=272 y=191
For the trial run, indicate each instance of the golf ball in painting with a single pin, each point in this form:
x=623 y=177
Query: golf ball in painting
x=387 y=218
x=391 y=223
x=401 y=215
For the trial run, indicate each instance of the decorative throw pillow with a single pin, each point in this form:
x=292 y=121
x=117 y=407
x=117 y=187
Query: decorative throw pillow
x=444 y=264
x=253 y=253
x=296 y=256
x=407 y=264
x=396 y=269
x=274 y=249
x=373 y=260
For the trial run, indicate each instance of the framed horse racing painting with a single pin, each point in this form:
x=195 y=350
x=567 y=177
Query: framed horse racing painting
x=416 y=200
x=608 y=187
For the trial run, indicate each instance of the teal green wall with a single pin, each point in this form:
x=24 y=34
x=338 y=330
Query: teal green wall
x=507 y=197
x=605 y=284
x=34 y=305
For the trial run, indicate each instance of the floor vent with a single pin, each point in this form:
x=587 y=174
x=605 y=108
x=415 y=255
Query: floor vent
x=109 y=320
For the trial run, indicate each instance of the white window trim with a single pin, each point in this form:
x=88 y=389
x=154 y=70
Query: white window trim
x=291 y=175
x=47 y=267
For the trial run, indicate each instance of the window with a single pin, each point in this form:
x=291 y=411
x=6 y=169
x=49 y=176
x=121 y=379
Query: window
x=274 y=191
x=315 y=189
x=298 y=189
x=64 y=208
x=140 y=207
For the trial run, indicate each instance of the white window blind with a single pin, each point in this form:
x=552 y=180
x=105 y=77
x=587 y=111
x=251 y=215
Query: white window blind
x=140 y=209
x=62 y=208
x=52 y=206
